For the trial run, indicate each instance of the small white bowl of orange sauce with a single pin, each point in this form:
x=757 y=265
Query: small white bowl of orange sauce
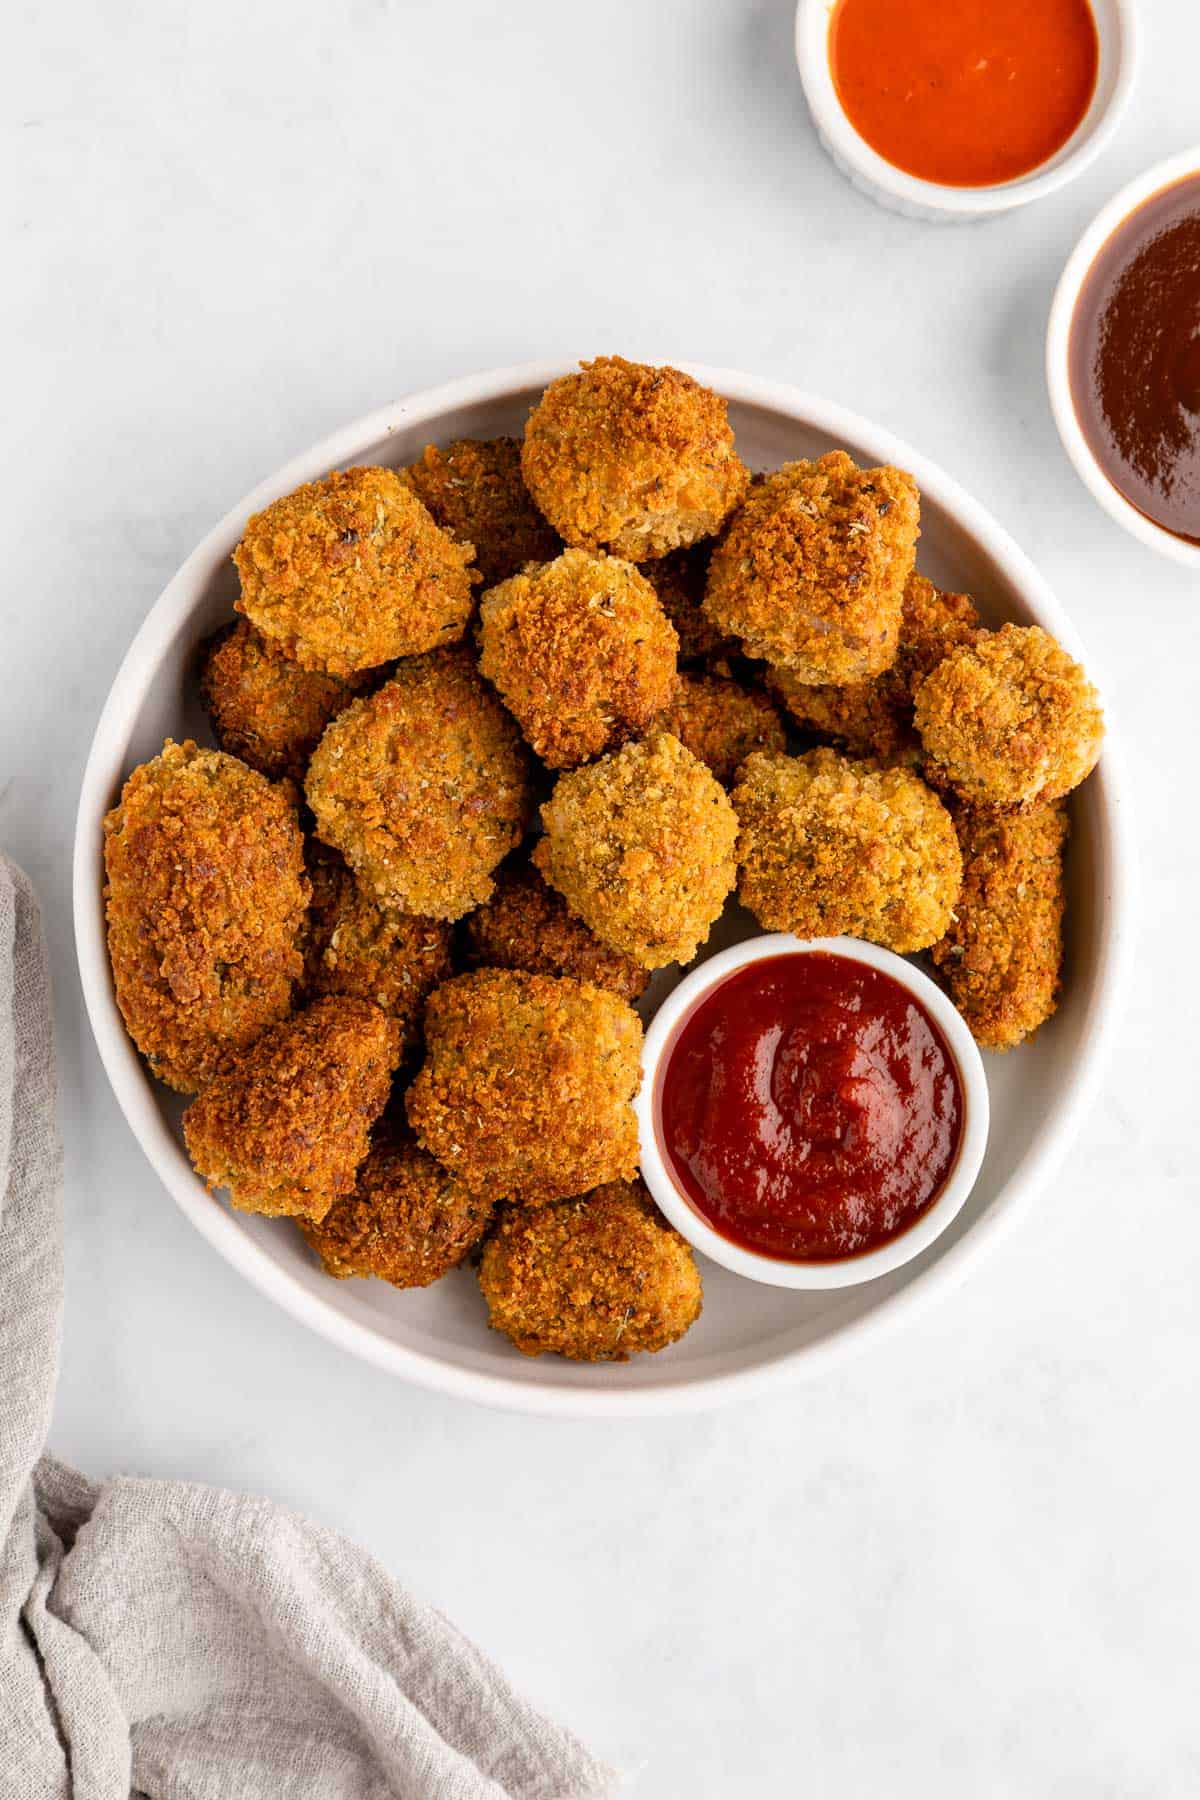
x=960 y=109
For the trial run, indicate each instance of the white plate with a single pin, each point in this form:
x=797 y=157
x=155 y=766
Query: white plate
x=748 y=1335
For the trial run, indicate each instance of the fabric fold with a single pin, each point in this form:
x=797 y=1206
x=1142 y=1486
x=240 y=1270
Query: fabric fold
x=181 y=1641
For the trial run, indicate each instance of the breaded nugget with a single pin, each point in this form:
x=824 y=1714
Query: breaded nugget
x=1009 y=719
x=721 y=722
x=526 y=925
x=351 y=571
x=1001 y=960
x=423 y=787
x=830 y=847
x=875 y=718
x=632 y=459
x=679 y=580
x=358 y=946
x=526 y=1086
x=408 y=1220
x=262 y=706
x=641 y=847
x=476 y=492
x=580 y=652
x=206 y=898
x=596 y=1279
x=811 y=573
x=932 y=623
x=286 y=1127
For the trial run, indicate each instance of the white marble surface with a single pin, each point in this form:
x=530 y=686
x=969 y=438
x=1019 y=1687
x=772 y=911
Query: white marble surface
x=965 y=1563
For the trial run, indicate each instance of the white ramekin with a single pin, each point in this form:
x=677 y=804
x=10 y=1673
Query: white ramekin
x=661 y=1036
x=1118 y=30
x=1058 y=347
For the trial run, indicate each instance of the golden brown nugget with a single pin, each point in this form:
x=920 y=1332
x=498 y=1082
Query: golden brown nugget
x=1001 y=960
x=205 y=899
x=811 y=573
x=641 y=847
x=476 y=492
x=679 y=579
x=351 y=571
x=580 y=652
x=1009 y=719
x=408 y=1220
x=933 y=622
x=287 y=1126
x=526 y=925
x=360 y=947
x=423 y=787
x=830 y=848
x=262 y=706
x=527 y=1085
x=595 y=1279
x=721 y=722
x=875 y=718
x=632 y=459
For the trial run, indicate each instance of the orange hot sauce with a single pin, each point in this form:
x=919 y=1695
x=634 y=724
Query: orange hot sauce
x=968 y=93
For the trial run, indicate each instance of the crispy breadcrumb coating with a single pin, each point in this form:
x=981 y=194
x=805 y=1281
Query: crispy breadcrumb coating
x=205 y=899
x=351 y=571
x=632 y=459
x=830 y=847
x=811 y=573
x=526 y=925
x=722 y=722
x=476 y=492
x=1001 y=960
x=356 y=945
x=408 y=1220
x=527 y=1082
x=932 y=623
x=1009 y=719
x=875 y=718
x=423 y=787
x=262 y=706
x=641 y=846
x=679 y=580
x=286 y=1127
x=596 y=1279
x=580 y=652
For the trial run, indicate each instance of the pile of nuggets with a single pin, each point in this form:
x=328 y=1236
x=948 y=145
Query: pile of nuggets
x=411 y=1027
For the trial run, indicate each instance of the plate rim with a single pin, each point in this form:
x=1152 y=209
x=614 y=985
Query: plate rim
x=694 y=1392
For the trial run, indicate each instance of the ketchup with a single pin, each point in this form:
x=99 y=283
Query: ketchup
x=810 y=1108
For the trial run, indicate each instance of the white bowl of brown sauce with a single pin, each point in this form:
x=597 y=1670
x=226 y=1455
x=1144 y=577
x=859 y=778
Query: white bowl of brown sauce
x=954 y=112
x=1123 y=358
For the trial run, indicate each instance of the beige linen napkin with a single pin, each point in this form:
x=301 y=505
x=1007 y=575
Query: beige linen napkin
x=178 y=1640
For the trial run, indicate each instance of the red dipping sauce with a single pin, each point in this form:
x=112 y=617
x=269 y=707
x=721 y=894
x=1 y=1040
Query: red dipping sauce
x=809 y=1108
